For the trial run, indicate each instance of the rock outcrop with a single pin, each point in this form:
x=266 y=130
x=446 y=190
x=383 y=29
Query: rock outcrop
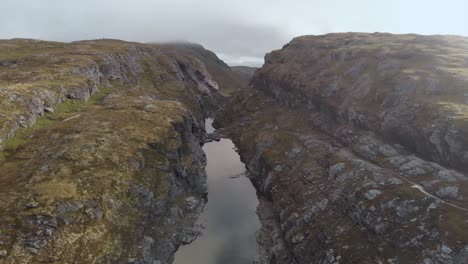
x=357 y=144
x=102 y=158
x=231 y=79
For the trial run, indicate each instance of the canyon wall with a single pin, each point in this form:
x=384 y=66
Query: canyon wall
x=101 y=157
x=357 y=145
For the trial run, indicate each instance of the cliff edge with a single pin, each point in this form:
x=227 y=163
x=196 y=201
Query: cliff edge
x=358 y=146
x=101 y=158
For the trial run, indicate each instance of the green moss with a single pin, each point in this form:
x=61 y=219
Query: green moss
x=456 y=222
x=62 y=111
x=91 y=158
x=458 y=111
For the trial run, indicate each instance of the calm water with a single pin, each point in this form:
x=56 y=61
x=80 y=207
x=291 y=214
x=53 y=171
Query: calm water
x=229 y=216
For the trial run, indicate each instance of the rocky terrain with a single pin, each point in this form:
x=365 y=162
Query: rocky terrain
x=231 y=78
x=101 y=158
x=358 y=147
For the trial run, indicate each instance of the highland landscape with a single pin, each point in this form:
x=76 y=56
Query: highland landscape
x=334 y=148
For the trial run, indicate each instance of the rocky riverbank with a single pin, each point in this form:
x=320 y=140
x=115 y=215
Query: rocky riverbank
x=356 y=144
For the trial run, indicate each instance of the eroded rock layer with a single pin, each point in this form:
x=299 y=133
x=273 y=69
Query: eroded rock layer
x=102 y=158
x=358 y=147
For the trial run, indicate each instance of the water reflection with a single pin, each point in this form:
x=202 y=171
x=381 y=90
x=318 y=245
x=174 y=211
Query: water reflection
x=209 y=125
x=229 y=216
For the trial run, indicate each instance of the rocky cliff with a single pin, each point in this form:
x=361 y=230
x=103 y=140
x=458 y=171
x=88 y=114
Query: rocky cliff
x=101 y=157
x=230 y=78
x=357 y=145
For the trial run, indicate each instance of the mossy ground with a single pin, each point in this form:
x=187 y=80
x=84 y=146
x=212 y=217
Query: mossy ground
x=88 y=158
x=64 y=110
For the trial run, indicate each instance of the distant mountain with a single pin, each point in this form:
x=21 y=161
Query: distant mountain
x=246 y=70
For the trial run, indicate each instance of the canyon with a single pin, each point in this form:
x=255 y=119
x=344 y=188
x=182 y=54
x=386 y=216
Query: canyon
x=102 y=158
x=356 y=145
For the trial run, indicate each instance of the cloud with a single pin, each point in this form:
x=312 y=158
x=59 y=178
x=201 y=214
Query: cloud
x=239 y=39
x=239 y=30
x=241 y=60
x=219 y=26
x=237 y=44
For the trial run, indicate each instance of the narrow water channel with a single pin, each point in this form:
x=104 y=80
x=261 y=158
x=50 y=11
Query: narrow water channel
x=229 y=216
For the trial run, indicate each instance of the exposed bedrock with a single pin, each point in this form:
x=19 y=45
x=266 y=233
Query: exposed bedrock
x=357 y=144
x=101 y=157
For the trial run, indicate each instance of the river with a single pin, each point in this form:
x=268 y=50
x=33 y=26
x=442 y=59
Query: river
x=229 y=216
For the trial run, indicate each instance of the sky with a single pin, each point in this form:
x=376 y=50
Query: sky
x=239 y=31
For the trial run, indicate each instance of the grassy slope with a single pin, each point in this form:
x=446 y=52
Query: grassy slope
x=87 y=152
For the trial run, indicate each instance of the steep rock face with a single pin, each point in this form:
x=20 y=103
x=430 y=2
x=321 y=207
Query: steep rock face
x=410 y=89
x=230 y=79
x=37 y=76
x=353 y=141
x=102 y=159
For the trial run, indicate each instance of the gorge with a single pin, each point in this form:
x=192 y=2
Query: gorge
x=355 y=148
x=229 y=219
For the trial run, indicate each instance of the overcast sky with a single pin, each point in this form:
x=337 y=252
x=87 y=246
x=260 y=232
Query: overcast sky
x=239 y=31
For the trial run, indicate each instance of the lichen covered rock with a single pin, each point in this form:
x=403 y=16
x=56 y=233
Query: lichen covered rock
x=102 y=159
x=356 y=144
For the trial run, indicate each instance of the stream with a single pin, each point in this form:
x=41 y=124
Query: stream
x=229 y=216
